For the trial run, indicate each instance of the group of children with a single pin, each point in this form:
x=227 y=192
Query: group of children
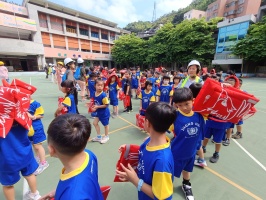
x=166 y=101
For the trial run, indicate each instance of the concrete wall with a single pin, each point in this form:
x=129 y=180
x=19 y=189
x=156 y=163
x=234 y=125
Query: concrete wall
x=22 y=47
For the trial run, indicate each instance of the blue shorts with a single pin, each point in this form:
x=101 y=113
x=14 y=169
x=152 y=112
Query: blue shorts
x=218 y=134
x=114 y=102
x=134 y=86
x=94 y=114
x=142 y=112
x=104 y=121
x=240 y=122
x=186 y=165
x=11 y=178
x=38 y=137
x=199 y=145
x=232 y=125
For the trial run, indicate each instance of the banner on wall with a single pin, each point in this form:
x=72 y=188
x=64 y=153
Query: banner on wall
x=17 y=22
x=13 y=8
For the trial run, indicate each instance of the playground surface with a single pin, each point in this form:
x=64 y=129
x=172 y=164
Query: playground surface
x=239 y=174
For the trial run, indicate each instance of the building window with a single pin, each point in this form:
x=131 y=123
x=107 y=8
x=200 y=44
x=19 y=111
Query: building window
x=233 y=3
x=43 y=23
x=71 y=29
x=240 y=10
x=56 y=26
x=94 y=51
x=112 y=36
x=83 y=32
x=241 y=2
x=105 y=52
x=94 y=34
x=104 y=36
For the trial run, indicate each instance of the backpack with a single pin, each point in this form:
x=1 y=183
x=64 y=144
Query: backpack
x=77 y=74
x=64 y=77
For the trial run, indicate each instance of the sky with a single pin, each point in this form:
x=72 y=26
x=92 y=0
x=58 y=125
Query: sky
x=123 y=12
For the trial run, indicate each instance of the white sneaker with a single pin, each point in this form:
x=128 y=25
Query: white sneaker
x=41 y=168
x=32 y=196
x=104 y=139
x=200 y=163
x=37 y=159
x=97 y=139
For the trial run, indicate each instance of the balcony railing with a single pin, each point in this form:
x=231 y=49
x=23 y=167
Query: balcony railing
x=223 y=56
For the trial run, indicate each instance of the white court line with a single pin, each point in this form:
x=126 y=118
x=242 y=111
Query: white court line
x=251 y=156
x=262 y=111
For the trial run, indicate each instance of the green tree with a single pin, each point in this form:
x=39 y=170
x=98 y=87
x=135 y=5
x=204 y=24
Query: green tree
x=158 y=46
x=139 y=26
x=252 y=47
x=193 y=39
x=128 y=49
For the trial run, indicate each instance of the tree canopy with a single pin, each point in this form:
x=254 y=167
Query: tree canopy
x=252 y=47
x=191 y=39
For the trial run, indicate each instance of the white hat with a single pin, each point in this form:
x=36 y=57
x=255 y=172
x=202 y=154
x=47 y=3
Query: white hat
x=80 y=60
x=68 y=60
x=194 y=62
x=50 y=64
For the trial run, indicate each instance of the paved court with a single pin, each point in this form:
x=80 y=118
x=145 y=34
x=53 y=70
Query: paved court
x=239 y=174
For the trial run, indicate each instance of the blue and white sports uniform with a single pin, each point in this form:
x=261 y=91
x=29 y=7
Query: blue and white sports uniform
x=113 y=88
x=165 y=92
x=102 y=113
x=188 y=129
x=82 y=183
x=134 y=81
x=156 y=168
x=91 y=87
x=16 y=156
x=146 y=99
x=216 y=129
x=38 y=135
x=69 y=102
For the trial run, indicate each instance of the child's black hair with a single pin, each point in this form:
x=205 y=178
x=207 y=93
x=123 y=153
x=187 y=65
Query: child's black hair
x=166 y=77
x=181 y=69
x=148 y=83
x=93 y=74
x=69 y=133
x=182 y=95
x=161 y=115
x=98 y=80
x=204 y=77
x=73 y=90
x=177 y=77
x=195 y=89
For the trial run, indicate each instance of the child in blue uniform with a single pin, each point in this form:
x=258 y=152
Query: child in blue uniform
x=113 y=95
x=91 y=88
x=146 y=98
x=188 y=128
x=154 y=177
x=134 y=82
x=71 y=98
x=67 y=139
x=101 y=108
x=37 y=135
x=16 y=154
x=165 y=92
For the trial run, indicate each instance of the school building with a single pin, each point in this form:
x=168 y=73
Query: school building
x=42 y=32
x=230 y=32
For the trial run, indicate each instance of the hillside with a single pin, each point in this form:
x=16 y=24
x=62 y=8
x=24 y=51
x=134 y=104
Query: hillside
x=174 y=17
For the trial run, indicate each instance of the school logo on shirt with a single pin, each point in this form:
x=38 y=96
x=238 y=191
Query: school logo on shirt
x=145 y=100
x=164 y=91
x=192 y=132
x=140 y=167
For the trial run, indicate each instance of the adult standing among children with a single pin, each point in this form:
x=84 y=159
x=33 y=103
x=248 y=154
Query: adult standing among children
x=193 y=68
x=80 y=76
x=3 y=72
x=60 y=70
x=70 y=69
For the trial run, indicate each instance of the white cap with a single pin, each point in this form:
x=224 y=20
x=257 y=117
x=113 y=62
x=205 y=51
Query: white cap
x=50 y=64
x=68 y=60
x=194 y=62
x=80 y=60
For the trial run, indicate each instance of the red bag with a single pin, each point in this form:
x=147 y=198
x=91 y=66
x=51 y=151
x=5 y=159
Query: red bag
x=126 y=101
x=129 y=155
x=105 y=191
x=121 y=95
x=60 y=101
x=91 y=104
x=226 y=103
x=138 y=91
x=140 y=121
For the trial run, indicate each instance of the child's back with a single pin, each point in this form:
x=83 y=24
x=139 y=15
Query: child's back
x=82 y=183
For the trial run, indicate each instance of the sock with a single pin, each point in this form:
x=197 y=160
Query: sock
x=186 y=182
x=43 y=162
x=203 y=147
x=201 y=160
x=217 y=153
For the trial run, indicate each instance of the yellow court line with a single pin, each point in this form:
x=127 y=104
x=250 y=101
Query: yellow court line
x=129 y=122
x=233 y=183
x=215 y=173
x=119 y=129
